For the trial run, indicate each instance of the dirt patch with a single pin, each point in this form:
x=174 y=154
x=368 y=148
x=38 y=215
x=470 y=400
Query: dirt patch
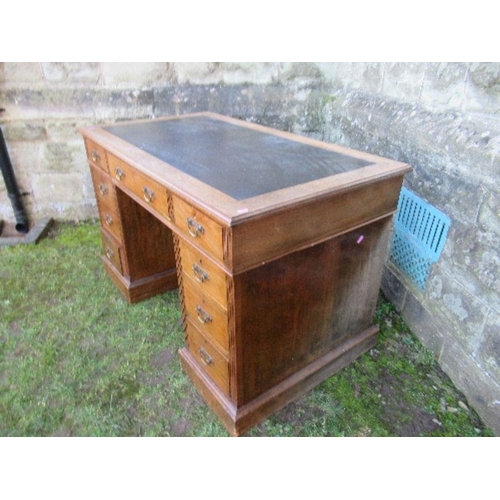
x=422 y=423
x=299 y=413
x=402 y=418
x=162 y=359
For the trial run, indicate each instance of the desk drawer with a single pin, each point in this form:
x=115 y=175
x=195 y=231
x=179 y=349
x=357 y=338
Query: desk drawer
x=209 y=358
x=209 y=278
x=103 y=187
x=198 y=227
x=112 y=250
x=206 y=314
x=96 y=155
x=146 y=189
x=110 y=220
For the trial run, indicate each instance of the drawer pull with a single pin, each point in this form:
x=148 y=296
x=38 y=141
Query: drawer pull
x=103 y=189
x=96 y=157
x=108 y=219
x=199 y=274
x=148 y=194
x=119 y=173
x=109 y=253
x=205 y=357
x=203 y=316
x=194 y=227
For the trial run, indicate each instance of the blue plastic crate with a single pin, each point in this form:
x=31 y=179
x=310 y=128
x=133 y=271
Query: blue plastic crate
x=420 y=232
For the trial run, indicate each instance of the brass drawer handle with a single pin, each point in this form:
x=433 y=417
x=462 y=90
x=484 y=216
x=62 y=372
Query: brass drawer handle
x=194 y=227
x=108 y=219
x=103 y=189
x=96 y=157
x=205 y=357
x=203 y=316
x=119 y=173
x=148 y=194
x=109 y=253
x=199 y=274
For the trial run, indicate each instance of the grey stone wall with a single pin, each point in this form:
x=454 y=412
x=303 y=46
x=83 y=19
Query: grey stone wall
x=442 y=118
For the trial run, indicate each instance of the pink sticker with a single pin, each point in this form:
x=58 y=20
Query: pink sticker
x=360 y=239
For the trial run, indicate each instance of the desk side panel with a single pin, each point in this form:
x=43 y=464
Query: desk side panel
x=295 y=309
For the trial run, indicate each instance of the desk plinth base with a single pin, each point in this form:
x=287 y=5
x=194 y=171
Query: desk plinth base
x=135 y=291
x=239 y=420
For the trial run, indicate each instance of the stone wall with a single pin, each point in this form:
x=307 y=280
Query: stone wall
x=442 y=118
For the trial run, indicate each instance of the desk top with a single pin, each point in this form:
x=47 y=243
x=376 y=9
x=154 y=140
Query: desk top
x=238 y=161
x=236 y=169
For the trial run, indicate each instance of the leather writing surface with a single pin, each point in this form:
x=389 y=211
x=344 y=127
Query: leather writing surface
x=236 y=160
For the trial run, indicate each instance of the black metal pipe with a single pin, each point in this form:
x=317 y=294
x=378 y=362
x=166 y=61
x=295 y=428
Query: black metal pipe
x=22 y=225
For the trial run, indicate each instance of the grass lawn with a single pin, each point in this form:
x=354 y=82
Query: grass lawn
x=77 y=360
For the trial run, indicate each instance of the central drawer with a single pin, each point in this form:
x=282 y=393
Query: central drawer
x=145 y=189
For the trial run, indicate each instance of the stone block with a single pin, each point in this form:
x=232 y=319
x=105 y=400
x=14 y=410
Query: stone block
x=366 y=76
x=84 y=104
x=481 y=390
x=115 y=105
x=57 y=191
x=191 y=99
x=393 y=289
x=62 y=129
x=227 y=73
x=489 y=214
x=312 y=112
x=474 y=251
x=464 y=312
x=451 y=142
x=66 y=210
x=455 y=196
x=62 y=156
x=372 y=77
x=136 y=75
x=489 y=352
x=251 y=73
x=15 y=74
x=88 y=187
x=426 y=325
x=473 y=146
x=369 y=123
x=403 y=80
x=267 y=105
x=444 y=84
x=483 y=88
x=21 y=130
x=198 y=73
x=79 y=73
x=25 y=157
x=32 y=104
x=301 y=74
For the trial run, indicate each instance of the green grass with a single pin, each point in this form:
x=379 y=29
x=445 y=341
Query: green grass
x=77 y=360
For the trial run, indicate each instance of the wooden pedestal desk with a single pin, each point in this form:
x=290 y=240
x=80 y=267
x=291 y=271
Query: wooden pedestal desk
x=276 y=242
